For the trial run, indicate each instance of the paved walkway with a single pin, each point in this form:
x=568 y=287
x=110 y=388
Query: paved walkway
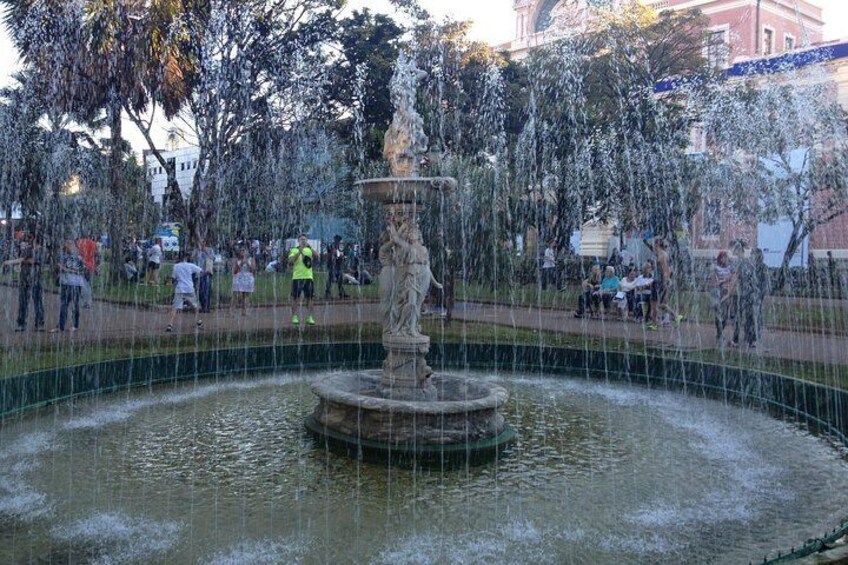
x=110 y=321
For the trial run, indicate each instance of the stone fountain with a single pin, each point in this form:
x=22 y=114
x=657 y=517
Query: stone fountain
x=405 y=412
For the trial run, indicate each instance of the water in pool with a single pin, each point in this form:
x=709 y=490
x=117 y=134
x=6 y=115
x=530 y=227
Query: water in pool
x=224 y=473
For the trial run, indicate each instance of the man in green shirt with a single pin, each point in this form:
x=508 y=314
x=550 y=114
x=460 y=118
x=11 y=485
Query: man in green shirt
x=301 y=259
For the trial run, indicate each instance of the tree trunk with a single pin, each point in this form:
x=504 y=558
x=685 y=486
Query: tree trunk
x=791 y=248
x=176 y=204
x=8 y=235
x=116 y=189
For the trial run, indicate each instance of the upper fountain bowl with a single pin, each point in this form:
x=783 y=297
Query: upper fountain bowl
x=406 y=190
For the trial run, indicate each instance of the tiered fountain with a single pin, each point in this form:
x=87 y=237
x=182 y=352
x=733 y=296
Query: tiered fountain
x=405 y=412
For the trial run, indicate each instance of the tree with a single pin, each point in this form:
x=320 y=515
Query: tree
x=780 y=149
x=86 y=56
x=163 y=64
x=605 y=146
x=368 y=44
x=21 y=151
x=256 y=63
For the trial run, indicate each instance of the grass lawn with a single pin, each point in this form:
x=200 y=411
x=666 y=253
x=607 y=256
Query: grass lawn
x=271 y=289
x=35 y=358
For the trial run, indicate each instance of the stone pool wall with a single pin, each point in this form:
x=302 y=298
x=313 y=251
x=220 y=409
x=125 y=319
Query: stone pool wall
x=824 y=409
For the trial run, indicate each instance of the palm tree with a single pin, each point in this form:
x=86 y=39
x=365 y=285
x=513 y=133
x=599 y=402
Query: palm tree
x=101 y=56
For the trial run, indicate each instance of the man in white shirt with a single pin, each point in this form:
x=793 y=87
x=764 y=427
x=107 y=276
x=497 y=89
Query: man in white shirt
x=184 y=290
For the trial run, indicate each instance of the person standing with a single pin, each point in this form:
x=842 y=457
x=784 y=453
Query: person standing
x=663 y=283
x=71 y=281
x=813 y=275
x=834 y=277
x=154 y=261
x=88 y=251
x=722 y=294
x=301 y=259
x=31 y=260
x=549 y=266
x=244 y=281
x=746 y=297
x=204 y=259
x=761 y=289
x=335 y=267
x=182 y=276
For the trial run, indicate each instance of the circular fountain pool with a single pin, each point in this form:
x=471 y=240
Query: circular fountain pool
x=206 y=473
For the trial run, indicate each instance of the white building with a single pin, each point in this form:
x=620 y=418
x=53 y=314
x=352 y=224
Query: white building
x=184 y=162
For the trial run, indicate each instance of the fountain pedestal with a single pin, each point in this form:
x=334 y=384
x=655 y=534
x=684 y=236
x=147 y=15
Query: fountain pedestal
x=406 y=375
x=405 y=413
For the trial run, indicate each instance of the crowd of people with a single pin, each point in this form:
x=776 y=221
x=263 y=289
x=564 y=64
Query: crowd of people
x=738 y=281
x=78 y=261
x=738 y=285
x=627 y=293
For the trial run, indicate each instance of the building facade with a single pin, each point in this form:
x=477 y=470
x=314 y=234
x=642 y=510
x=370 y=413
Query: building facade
x=753 y=40
x=714 y=226
x=738 y=29
x=183 y=161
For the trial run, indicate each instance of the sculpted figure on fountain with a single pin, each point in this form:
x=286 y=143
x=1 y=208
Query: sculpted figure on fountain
x=405 y=142
x=413 y=278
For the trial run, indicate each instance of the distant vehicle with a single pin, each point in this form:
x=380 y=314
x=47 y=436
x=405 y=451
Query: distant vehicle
x=170 y=234
x=170 y=244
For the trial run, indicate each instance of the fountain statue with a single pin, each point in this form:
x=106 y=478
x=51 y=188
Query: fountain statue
x=405 y=410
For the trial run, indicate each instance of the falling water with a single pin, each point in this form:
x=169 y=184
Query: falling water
x=218 y=469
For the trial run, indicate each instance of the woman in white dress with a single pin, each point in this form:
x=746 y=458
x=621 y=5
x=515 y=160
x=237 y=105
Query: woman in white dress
x=244 y=281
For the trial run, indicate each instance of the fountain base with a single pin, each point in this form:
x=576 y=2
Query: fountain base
x=463 y=424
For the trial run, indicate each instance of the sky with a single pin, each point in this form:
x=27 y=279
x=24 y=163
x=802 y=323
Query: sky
x=494 y=23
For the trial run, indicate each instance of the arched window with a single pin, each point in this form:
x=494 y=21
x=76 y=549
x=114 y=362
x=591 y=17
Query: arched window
x=544 y=17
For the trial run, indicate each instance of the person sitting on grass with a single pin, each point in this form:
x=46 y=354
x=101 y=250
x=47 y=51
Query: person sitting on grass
x=184 y=290
x=609 y=288
x=130 y=271
x=590 y=298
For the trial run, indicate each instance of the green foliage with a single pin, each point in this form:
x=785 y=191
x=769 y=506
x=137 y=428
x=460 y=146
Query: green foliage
x=368 y=45
x=595 y=110
x=779 y=151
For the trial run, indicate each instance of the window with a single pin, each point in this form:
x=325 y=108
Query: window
x=788 y=42
x=712 y=218
x=717 y=49
x=182 y=166
x=768 y=41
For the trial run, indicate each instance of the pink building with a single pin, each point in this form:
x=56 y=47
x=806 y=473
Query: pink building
x=739 y=28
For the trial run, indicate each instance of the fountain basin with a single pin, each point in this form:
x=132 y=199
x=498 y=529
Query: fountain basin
x=405 y=190
x=464 y=423
x=220 y=470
